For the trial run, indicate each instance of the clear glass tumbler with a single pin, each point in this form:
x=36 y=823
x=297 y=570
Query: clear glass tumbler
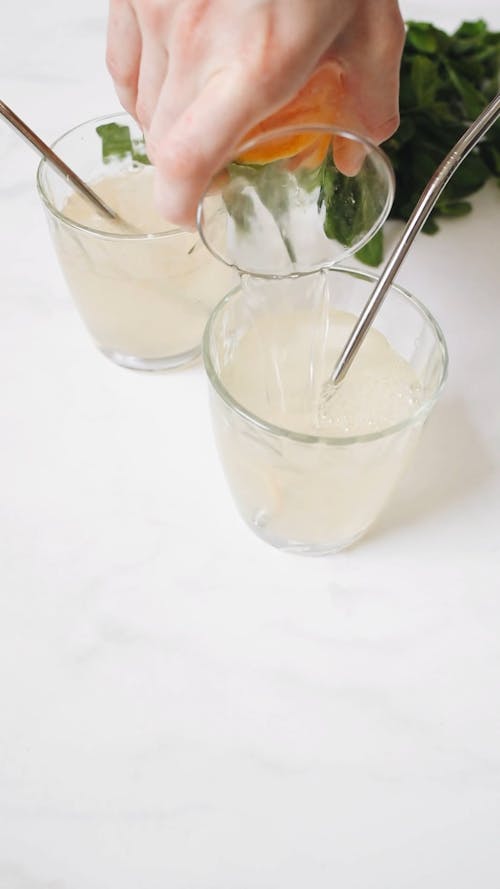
x=310 y=493
x=288 y=206
x=144 y=298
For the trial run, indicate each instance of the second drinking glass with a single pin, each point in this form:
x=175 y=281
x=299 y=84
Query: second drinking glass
x=144 y=291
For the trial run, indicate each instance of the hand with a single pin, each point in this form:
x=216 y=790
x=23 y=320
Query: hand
x=198 y=74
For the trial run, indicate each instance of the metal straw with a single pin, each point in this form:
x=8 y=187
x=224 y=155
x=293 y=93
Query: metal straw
x=55 y=161
x=417 y=219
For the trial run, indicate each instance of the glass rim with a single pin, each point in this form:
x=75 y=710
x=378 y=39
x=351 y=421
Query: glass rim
x=72 y=223
x=277 y=133
x=338 y=441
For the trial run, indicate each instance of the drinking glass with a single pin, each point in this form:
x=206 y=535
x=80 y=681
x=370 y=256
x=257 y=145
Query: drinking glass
x=144 y=298
x=288 y=206
x=310 y=493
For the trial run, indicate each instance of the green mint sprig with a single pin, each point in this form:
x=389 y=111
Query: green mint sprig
x=446 y=81
x=118 y=143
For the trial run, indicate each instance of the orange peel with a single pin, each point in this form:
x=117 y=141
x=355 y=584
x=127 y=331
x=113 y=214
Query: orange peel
x=319 y=102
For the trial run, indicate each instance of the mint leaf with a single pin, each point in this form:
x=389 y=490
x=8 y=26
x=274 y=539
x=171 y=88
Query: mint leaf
x=455 y=208
x=473 y=100
x=446 y=80
x=341 y=197
x=425 y=79
x=424 y=37
x=117 y=143
x=373 y=252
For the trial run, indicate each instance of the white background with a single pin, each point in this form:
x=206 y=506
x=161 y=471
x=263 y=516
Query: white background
x=182 y=707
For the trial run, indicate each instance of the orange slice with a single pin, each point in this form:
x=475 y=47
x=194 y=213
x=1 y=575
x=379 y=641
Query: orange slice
x=318 y=102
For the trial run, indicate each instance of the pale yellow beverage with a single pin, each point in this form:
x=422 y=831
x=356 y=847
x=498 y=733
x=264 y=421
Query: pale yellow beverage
x=313 y=494
x=310 y=474
x=144 y=290
x=286 y=385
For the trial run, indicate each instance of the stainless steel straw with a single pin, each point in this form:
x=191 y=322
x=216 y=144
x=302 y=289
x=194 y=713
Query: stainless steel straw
x=417 y=219
x=55 y=161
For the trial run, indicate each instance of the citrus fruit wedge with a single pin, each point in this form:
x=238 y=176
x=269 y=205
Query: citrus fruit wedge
x=318 y=102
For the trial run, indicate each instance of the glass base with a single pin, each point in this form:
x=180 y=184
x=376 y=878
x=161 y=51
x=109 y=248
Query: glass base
x=132 y=362
x=302 y=548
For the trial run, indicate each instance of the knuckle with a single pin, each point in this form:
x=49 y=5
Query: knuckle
x=394 y=34
x=176 y=159
x=122 y=74
x=271 y=62
x=153 y=15
x=191 y=16
x=188 y=29
x=267 y=80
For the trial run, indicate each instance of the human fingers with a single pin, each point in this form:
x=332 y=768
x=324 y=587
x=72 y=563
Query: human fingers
x=175 y=96
x=190 y=152
x=123 y=52
x=370 y=51
x=152 y=76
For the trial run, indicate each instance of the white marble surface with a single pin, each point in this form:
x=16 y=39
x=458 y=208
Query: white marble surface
x=180 y=705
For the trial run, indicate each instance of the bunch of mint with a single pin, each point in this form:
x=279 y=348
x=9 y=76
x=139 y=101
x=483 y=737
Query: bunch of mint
x=446 y=81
